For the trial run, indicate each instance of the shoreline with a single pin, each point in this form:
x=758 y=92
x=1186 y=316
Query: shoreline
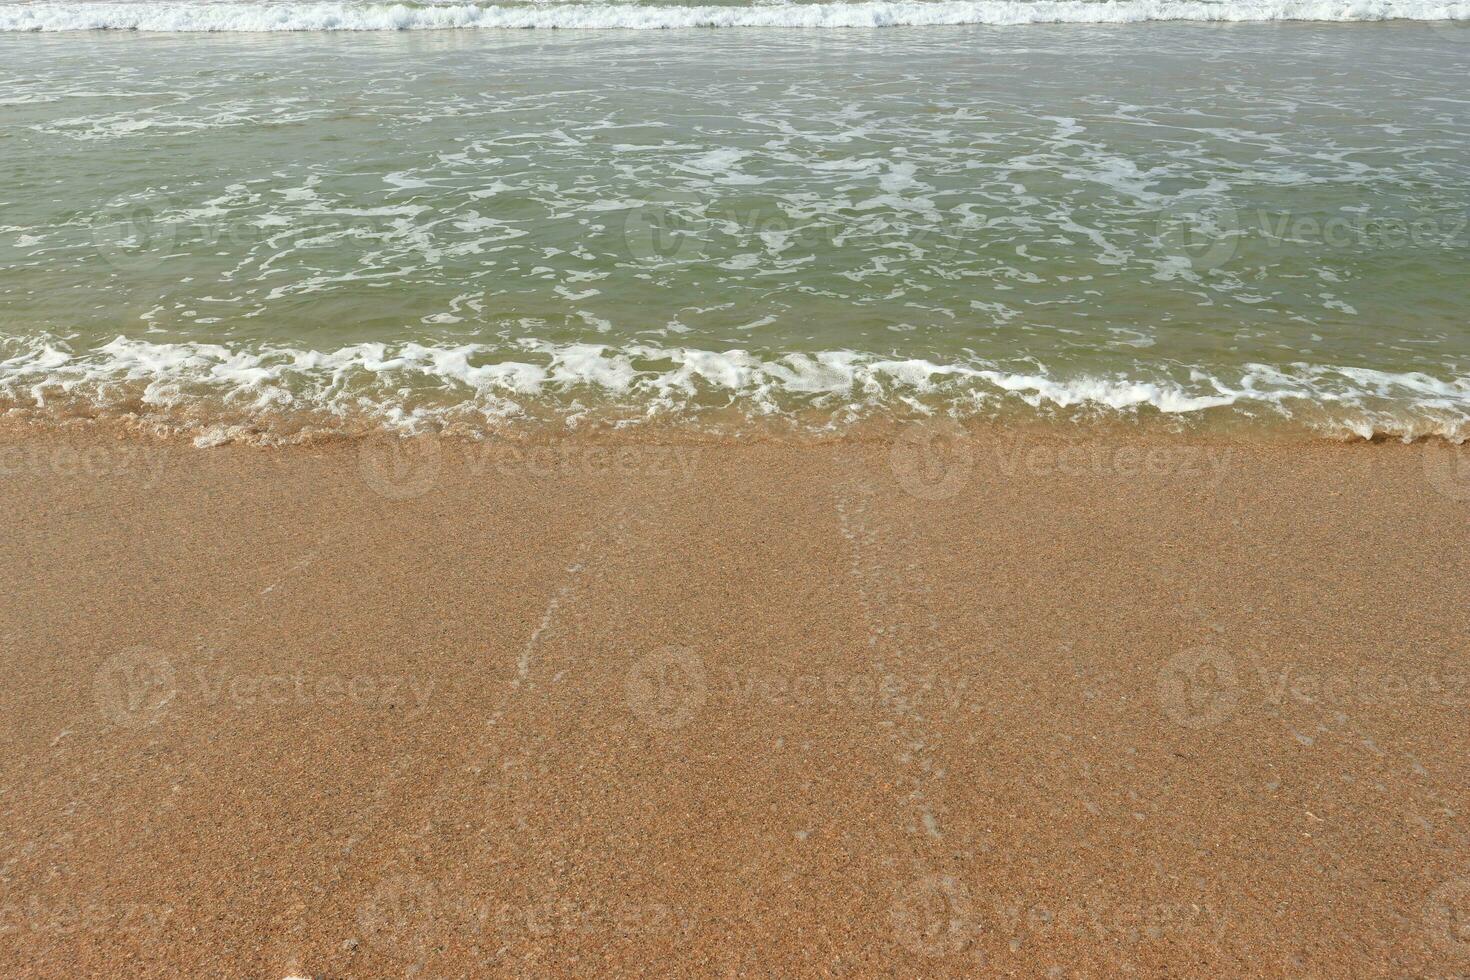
x=211 y=428
x=271 y=394
x=830 y=506
x=1169 y=705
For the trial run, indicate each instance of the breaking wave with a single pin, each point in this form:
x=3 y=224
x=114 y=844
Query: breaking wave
x=213 y=389
x=230 y=15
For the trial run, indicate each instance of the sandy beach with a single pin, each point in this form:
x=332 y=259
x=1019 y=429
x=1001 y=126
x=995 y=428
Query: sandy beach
x=927 y=702
x=685 y=640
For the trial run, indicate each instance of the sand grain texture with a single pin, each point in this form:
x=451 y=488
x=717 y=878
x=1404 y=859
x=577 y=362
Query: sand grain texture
x=766 y=708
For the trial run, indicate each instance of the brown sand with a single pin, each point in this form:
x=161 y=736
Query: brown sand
x=1106 y=704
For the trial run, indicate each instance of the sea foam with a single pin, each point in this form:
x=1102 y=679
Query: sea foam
x=414 y=386
x=245 y=16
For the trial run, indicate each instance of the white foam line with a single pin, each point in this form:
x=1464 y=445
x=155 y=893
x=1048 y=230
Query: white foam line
x=489 y=383
x=231 y=15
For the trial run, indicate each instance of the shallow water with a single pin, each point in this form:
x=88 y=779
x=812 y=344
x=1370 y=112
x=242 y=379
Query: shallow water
x=1263 y=222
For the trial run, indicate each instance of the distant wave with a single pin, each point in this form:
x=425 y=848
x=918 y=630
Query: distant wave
x=416 y=387
x=245 y=16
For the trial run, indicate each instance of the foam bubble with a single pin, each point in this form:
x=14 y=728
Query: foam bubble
x=232 y=15
x=413 y=386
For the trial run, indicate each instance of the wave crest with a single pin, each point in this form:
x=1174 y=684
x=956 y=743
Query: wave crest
x=414 y=387
x=263 y=17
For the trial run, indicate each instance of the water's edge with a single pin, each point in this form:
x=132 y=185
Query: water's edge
x=215 y=392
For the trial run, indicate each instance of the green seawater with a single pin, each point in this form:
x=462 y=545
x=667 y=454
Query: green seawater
x=1265 y=223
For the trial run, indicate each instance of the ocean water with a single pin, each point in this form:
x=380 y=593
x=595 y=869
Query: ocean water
x=1120 y=211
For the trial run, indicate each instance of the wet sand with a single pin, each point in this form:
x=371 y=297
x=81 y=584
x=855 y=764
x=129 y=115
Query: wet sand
x=1091 y=703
